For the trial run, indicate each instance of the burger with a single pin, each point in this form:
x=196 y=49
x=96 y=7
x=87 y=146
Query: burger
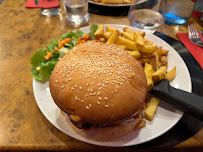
x=101 y=90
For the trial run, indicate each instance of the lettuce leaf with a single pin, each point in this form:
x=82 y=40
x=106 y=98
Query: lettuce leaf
x=47 y=66
x=52 y=45
x=38 y=57
x=44 y=74
x=93 y=29
x=80 y=33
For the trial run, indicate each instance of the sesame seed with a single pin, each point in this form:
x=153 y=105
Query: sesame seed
x=87 y=107
x=75 y=85
x=76 y=98
x=82 y=101
x=72 y=88
x=98 y=93
x=62 y=87
x=69 y=79
x=105 y=98
x=106 y=106
x=100 y=98
x=98 y=102
x=116 y=90
x=86 y=95
x=80 y=88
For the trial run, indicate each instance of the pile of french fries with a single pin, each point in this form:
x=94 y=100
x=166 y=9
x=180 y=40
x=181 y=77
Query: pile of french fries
x=153 y=58
x=113 y=1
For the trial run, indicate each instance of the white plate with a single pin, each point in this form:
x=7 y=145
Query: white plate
x=165 y=118
x=109 y=5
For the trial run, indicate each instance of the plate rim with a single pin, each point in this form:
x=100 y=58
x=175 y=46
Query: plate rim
x=100 y=144
x=108 y=5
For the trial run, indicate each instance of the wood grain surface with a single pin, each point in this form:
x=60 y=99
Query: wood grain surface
x=22 y=125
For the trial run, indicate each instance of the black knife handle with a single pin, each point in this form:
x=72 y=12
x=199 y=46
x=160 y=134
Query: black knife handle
x=182 y=100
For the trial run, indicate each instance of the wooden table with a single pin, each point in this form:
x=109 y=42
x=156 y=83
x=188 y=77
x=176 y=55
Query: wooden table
x=22 y=125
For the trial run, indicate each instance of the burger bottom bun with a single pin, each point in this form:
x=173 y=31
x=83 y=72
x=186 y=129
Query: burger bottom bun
x=106 y=133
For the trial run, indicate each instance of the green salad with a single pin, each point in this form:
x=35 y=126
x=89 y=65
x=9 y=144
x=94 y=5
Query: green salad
x=43 y=61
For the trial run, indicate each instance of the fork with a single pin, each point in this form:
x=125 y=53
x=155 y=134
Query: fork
x=193 y=35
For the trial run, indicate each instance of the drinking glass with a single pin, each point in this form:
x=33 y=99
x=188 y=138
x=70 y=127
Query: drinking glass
x=49 y=8
x=179 y=11
x=76 y=11
x=147 y=15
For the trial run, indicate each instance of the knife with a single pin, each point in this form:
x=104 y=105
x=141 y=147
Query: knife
x=187 y=102
x=201 y=31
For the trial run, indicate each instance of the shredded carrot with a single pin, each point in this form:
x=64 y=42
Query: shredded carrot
x=49 y=53
x=82 y=38
x=48 y=56
x=65 y=41
x=96 y=40
x=59 y=44
x=56 y=49
x=79 y=40
x=83 y=41
x=64 y=53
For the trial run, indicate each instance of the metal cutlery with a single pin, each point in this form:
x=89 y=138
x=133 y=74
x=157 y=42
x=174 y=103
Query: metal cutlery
x=182 y=100
x=193 y=35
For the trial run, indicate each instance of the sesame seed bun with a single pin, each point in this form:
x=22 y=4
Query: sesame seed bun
x=100 y=83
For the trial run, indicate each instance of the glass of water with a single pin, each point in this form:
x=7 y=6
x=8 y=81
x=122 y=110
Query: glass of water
x=50 y=8
x=147 y=15
x=76 y=11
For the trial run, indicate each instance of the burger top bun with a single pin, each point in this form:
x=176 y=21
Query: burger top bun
x=100 y=83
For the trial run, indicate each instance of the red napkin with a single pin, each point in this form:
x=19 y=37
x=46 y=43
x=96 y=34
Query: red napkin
x=46 y=3
x=195 y=50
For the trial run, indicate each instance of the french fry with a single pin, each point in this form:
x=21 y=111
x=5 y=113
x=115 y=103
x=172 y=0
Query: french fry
x=153 y=62
x=107 y=35
x=135 y=54
x=148 y=42
x=151 y=108
x=140 y=34
x=164 y=61
x=102 y=39
x=147 y=55
x=110 y=29
x=159 y=74
x=127 y=1
x=129 y=36
x=122 y=47
x=146 y=60
x=113 y=37
x=112 y=1
x=164 y=52
x=141 y=124
x=99 y=32
x=149 y=48
x=148 y=72
x=171 y=74
x=157 y=60
x=159 y=49
x=140 y=43
x=128 y=30
x=130 y=44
